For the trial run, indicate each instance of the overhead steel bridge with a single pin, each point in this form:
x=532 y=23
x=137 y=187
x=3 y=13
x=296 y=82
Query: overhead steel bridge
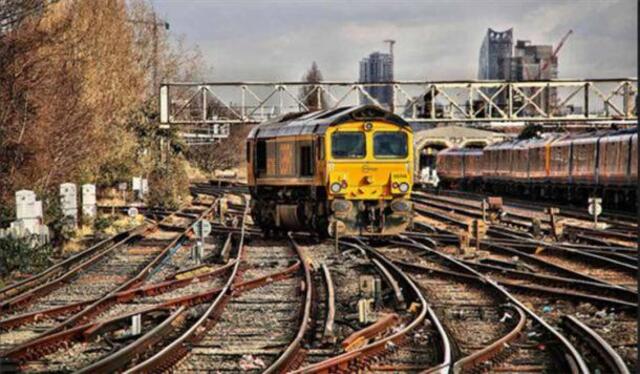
x=209 y=108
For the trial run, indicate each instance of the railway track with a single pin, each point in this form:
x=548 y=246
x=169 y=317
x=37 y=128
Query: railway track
x=291 y=304
x=257 y=325
x=622 y=227
x=579 y=346
x=88 y=289
x=583 y=264
x=474 y=316
x=555 y=292
x=345 y=278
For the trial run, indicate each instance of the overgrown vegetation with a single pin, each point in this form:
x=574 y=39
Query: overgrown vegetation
x=21 y=255
x=170 y=184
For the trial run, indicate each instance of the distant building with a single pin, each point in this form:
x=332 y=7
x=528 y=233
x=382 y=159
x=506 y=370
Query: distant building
x=527 y=64
x=495 y=55
x=378 y=67
x=495 y=60
x=499 y=60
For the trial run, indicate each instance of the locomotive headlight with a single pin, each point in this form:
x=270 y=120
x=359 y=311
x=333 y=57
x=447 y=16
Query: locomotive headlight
x=404 y=187
x=336 y=187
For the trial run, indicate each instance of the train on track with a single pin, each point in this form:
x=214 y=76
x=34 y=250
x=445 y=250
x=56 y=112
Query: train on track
x=348 y=169
x=554 y=166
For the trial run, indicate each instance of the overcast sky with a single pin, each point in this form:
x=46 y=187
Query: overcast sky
x=435 y=40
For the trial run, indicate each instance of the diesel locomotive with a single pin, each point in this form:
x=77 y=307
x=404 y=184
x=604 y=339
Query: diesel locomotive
x=347 y=169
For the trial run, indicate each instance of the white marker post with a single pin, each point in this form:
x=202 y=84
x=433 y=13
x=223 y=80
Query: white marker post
x=595 y=209
x=202 y=229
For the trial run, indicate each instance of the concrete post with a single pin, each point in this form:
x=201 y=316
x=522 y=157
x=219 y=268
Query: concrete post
x=89 y=200
x=29 y=211
x=69 y=202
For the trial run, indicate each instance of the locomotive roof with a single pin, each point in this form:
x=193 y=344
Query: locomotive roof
x=317 y=122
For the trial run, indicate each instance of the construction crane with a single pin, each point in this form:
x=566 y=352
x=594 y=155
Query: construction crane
x=554 y=54
x=391 y=43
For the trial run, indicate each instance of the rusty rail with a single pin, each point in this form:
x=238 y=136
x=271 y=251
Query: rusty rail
x=123 y=296
x=177 y=349
x=492 y=350
x=329 y=333
x=358 y=338
x=359 y=359
x=293 y=354
x=119 y=359
x=43 y=289
x=614 y=362
x=105 y=301
x=34 y=280
x=574 y=360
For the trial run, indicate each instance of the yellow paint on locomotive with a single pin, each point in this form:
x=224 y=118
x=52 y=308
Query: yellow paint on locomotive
x=369 y=177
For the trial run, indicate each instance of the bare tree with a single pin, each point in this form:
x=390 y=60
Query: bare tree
x=312 y=96
x=74 y=97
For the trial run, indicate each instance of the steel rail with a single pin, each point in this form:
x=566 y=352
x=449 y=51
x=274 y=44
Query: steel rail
x=359 y=358
x=43 y=282
x=329 y=334
x=574 y=359
x=622 y=294
x=292 y=355
x=529 y=287
x=117 y=360
x=383 y=323
x=522 y=220
x=393 y=284
x=132 y=282
x=567 y=211
x=614 y=362
x=46 y=344
x=487 y=353
x=17 y=287
x=120 y=297
x=177 y=349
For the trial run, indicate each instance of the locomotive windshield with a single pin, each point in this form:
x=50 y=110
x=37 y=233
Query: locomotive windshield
x=347 y=145
x=390 y=144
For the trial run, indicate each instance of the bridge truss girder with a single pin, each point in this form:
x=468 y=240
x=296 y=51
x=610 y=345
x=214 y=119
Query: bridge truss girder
x=548 y=101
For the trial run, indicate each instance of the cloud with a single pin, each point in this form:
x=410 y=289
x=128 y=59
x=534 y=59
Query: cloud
x=278 y=40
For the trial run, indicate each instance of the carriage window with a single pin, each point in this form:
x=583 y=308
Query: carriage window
x=390 y=144
x=347 y=145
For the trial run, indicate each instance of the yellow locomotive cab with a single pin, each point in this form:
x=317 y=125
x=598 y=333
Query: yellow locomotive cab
x=369 y=176
x=347 y=169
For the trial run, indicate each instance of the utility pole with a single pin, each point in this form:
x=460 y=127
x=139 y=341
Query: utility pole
x=155 y=22
x=154 y=71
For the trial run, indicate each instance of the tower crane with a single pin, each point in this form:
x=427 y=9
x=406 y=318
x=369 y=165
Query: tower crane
x=554 y=54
